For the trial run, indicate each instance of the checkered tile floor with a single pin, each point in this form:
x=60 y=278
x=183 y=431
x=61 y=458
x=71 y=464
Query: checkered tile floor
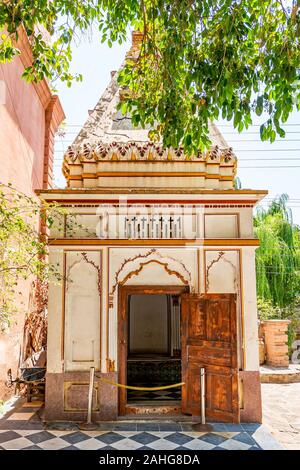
x=22 y=429
x=126 y=440
x=173 y=394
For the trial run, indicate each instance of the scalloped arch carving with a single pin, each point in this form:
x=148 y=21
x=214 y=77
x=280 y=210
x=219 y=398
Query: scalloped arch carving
x=171 y=272
x=221 y=258
x=134 y=266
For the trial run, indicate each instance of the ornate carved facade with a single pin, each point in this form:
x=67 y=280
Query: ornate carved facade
x=163 y=244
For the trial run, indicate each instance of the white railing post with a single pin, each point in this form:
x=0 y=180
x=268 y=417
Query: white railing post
x=88 y=425
x=90 y=397
x=202 y=387
x=202 y=427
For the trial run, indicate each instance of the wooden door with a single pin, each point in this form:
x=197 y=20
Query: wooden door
x=209 y=340
x=123 y=307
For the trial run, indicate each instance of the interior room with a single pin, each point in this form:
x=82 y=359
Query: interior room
x=154 y=348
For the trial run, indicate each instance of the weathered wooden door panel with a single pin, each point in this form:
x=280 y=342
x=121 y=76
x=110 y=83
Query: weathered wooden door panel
x=221 y=394
x=209 y=340
x=196 y=319
x=191 y=389
x=218 y=320
x=209 y=355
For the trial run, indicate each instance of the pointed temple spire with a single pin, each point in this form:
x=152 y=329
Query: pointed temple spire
x=103 y=152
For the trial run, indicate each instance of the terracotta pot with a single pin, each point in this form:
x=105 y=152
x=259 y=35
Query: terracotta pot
x=262 y=351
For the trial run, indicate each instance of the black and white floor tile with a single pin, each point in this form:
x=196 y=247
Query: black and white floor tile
x=173 y=394
x=22 y=429
x=126 y=440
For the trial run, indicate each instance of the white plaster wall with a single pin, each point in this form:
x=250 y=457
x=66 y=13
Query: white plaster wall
x=182 y=260
x=105 y=309
x=244 y=216
x=82 y=225
x=250 y=310
x=246 y=222
x=84 y=283
x=225 y=225
x=55 y=303
x=91 y=221
x=82 y=310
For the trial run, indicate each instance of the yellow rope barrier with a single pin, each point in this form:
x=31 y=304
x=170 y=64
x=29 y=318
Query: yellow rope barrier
x=145 y=389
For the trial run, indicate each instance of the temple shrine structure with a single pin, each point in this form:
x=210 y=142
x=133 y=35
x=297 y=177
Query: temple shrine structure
x=158 y=277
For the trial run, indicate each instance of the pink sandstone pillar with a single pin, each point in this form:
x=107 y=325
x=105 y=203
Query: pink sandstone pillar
x=275 y=332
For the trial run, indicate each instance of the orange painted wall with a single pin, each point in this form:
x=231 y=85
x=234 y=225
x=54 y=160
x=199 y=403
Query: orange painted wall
x=25 y=120
x=22 y=130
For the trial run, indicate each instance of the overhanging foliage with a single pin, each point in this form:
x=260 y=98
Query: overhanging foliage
x=199 y=59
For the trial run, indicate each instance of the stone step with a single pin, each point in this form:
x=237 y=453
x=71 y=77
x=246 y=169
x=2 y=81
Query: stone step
x=280 y=375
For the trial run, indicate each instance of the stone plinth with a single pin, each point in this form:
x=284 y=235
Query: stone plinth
x=275 y=334
x=280 y=375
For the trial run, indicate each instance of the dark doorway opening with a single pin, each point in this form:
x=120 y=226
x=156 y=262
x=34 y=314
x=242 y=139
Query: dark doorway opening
x=133 y=352
x=154 y=348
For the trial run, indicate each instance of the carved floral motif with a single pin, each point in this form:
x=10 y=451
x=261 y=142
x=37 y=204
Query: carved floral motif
x=143 y=151
x=221 y=257
x=84 y=257
x=171 y=265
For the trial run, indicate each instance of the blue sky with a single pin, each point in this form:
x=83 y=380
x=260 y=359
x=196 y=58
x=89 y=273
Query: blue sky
x=256 y=159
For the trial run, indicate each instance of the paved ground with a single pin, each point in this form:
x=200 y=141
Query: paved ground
x=21 y=428
x=281 y=413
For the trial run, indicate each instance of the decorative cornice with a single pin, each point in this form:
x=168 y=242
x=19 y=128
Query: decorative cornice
x=155 y=242
x=109 y=174
x=58 y=114
x=208 y=192
x=145 y=151
x=83 y=164
x=116 y=196
x=54 y=115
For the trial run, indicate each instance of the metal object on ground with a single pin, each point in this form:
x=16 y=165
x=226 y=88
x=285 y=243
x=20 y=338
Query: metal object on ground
x=33 y=378
x=202 y=427
x=89 y=425
x=32 y=374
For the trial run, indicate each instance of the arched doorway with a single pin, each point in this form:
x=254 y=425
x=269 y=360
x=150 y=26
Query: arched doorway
x=149 y=347
x=208 y=339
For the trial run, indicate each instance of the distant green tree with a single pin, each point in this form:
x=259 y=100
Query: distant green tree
x=277 y=259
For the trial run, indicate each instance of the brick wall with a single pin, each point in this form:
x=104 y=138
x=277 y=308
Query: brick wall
x=275 y=336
